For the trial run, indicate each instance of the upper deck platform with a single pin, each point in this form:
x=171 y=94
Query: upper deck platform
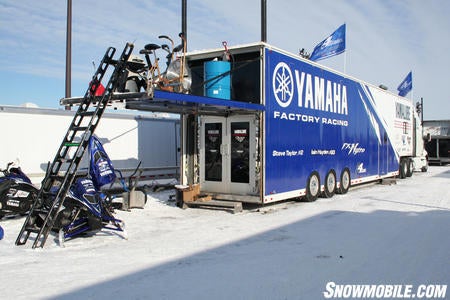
x=177 y=103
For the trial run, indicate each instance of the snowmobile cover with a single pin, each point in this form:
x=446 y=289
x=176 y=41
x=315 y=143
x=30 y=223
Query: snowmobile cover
x=101 y=169
x=84 y=186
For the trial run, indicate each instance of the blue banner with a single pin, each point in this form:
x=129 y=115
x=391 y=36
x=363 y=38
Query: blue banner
x=406 y=85
x=332 y=45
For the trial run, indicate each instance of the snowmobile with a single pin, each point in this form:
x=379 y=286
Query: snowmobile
x=17 y=193
x=86 y=209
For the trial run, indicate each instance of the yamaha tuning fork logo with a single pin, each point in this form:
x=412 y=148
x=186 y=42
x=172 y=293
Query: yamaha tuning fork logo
x=283 y=84
x=313 y=94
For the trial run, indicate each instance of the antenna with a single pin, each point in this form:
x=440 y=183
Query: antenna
x=263 y=21
x=184 y=19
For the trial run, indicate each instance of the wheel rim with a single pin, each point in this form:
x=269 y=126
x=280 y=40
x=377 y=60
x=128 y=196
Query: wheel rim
x=331 y=182
x=314 y=185
x=345 y=180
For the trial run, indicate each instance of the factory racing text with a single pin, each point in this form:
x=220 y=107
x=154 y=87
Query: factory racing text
x=308 y=118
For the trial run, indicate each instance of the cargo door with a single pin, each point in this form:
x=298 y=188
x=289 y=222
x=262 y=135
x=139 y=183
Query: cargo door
x=212 y=154
x=241 y=161
x=227 y=154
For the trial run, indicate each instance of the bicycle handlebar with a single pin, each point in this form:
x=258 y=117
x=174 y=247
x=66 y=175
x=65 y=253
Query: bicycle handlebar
x=6 y=171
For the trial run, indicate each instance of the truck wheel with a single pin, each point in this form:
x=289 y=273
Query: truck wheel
x=345 y=182
x=312 y=187
x=403 y=168
x=330 y=184
x=410 y=167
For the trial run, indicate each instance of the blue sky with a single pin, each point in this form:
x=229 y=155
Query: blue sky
x=385 y=39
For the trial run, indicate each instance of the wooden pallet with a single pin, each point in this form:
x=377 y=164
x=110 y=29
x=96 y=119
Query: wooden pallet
x=190 y=196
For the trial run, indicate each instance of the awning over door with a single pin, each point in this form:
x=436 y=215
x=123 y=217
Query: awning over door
x=178 y=104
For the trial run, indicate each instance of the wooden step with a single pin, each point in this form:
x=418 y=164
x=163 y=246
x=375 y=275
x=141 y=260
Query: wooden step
x=234 y=206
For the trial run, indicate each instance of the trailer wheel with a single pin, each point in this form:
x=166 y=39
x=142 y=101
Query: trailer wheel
x=410 y=167
x=312 y=187
x=330 y=184
x=345 y=182
x=403 y=168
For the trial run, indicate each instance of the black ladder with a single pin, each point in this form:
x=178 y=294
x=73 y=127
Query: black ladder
x=62 y=170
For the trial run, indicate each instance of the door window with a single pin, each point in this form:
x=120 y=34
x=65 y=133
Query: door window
x=240 y=155
x=213 y=155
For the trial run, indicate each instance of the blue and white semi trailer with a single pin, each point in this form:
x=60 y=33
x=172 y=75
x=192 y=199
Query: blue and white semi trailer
x=293 y=129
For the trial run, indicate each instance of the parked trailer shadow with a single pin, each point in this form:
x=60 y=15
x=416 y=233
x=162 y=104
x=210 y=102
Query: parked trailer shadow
x=296 y=261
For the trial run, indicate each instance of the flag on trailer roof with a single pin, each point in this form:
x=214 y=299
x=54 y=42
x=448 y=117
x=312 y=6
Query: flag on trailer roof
x=332 y=45
x=406 y=85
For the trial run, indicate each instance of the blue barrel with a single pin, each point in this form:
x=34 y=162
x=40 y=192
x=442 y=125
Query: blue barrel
x=217 y=77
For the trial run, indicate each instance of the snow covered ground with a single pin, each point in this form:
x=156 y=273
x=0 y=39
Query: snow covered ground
x=375 y=234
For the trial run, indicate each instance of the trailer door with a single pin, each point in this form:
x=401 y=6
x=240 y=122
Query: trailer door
x=212 y=173
x=241 y=161
x=227 y=162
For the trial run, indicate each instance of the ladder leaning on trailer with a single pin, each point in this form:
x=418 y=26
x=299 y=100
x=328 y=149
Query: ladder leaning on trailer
x=62 y=171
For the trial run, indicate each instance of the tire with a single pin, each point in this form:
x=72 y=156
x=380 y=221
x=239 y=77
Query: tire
x=403 y=168
x=312 y=187
x=410 y=167
x=345 y=182
x=329 y=184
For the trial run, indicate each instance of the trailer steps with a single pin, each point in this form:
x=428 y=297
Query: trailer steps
x=234 y=206
x=62 y=171
x=190 y=196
